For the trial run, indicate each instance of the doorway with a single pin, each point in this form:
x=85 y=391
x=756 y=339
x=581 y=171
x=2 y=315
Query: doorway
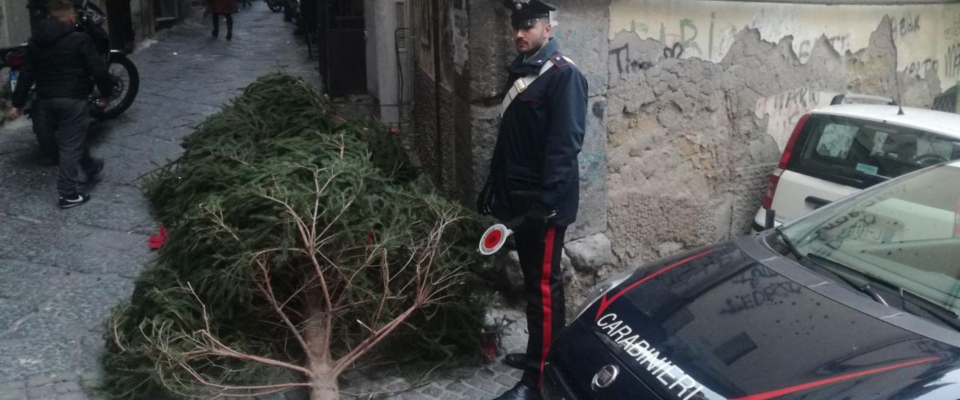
x=343 y=61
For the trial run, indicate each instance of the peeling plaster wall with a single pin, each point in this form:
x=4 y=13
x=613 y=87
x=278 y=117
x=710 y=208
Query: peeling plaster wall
x=691 y=140
x=924 y=34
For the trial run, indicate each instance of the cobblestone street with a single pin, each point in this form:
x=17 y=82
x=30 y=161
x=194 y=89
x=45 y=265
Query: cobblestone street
x=61 y=272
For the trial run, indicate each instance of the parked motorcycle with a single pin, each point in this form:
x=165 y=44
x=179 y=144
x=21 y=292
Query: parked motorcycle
x=123 y=72
x=126 y=78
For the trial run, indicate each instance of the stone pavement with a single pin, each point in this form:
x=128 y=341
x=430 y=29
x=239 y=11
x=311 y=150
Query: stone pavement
x=62 y=271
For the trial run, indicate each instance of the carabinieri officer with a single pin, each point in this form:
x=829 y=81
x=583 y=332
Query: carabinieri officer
x=534 y=174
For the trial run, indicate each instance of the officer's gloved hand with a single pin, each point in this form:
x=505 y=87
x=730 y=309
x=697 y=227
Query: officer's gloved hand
x=483 y=203
x=485 y=199
x=541 y=214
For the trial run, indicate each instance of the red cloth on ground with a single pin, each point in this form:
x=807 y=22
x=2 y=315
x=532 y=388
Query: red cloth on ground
x=156 y=241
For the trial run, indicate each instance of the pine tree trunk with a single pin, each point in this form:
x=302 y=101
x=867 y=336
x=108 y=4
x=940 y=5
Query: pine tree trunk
x=324 y=384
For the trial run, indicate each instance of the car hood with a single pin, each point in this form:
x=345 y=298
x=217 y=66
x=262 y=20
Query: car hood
x=717 y=324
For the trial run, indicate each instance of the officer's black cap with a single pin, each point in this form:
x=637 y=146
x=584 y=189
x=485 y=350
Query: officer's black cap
x=527 y=12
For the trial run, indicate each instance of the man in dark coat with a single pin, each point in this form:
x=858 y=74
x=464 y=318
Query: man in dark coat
x=64 y=64
x=534 y=174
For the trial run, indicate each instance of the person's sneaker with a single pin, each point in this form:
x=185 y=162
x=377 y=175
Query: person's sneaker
x=73 y=201
x=96 y=174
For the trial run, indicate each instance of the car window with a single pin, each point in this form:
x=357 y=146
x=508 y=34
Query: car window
x=906 y=233
x=839 y=149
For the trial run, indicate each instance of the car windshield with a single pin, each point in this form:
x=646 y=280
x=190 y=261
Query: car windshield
x=861 y=153
x=906 y=233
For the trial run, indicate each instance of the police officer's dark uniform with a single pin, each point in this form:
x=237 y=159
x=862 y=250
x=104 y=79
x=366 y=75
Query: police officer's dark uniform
x=534 y=174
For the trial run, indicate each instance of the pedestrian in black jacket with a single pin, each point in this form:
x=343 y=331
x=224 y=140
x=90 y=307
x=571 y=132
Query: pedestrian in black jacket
x=534 y=175
x=64 y=64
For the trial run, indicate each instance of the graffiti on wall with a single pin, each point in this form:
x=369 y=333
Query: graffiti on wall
x=841 y=43
x=904 y=25
x=919 y=68
x=924 y=34
x=716 y=40
x=951 y=61
x=952 y=31
x=785 y=110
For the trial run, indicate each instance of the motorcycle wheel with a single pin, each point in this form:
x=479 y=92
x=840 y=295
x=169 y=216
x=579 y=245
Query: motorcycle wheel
x=126 y=80
x=274 y=6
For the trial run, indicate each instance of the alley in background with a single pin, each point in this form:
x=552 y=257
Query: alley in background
x=61 y=272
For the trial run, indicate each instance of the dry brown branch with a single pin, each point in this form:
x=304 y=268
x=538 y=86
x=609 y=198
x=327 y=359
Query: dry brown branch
x=267 y=289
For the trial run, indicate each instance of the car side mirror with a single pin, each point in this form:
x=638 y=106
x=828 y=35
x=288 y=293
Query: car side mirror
x=771 y=219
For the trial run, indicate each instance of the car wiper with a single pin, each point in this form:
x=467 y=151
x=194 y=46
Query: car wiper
x=862 y=283
x=941 y=313
x=861 y=286
x=786 y=240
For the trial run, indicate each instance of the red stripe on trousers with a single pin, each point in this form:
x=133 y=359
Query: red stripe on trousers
x=545 y=299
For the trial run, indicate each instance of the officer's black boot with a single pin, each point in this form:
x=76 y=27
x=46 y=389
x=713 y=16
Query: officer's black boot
x=521 y=392
x=516 y=360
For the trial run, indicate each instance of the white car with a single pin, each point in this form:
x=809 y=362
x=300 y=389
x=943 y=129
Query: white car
x=840 y=149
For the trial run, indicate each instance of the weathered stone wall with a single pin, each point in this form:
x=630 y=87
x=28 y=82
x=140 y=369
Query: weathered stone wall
x=689 y=143
x=685 y=123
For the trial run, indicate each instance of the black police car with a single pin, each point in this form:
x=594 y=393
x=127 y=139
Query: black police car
x=857 y=300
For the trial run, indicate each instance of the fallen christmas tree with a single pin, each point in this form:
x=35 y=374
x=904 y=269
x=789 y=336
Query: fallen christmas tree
x=297 y=241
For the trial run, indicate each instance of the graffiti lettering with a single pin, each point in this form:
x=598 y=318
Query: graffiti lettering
x=905 y=25
x=951 y=61
x=919 y=68
x=673 y=52
x=953 y=31
x=785 y=109
x=687 y=36
x=687 y=25
x=638 y=27
x=625 y=64
x=754 y=275
x=766 y=286
x=840 y=43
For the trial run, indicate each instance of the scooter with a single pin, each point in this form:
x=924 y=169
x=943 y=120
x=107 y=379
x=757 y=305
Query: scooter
x=123 y=72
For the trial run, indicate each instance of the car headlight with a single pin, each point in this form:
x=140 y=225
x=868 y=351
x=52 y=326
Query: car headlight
x=598 y=291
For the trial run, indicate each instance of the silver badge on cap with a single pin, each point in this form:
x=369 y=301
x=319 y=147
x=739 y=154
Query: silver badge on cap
x=605 y=377
x=520 y=3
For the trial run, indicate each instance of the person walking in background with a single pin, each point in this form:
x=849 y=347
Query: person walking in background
x=61 y=62
x=534 y=175
x=245 y=3
x=226 y=8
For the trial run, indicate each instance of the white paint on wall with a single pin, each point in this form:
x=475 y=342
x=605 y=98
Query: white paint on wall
x=926 y=35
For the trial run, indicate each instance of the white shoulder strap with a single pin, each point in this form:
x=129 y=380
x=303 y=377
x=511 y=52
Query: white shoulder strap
x=520 y=85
